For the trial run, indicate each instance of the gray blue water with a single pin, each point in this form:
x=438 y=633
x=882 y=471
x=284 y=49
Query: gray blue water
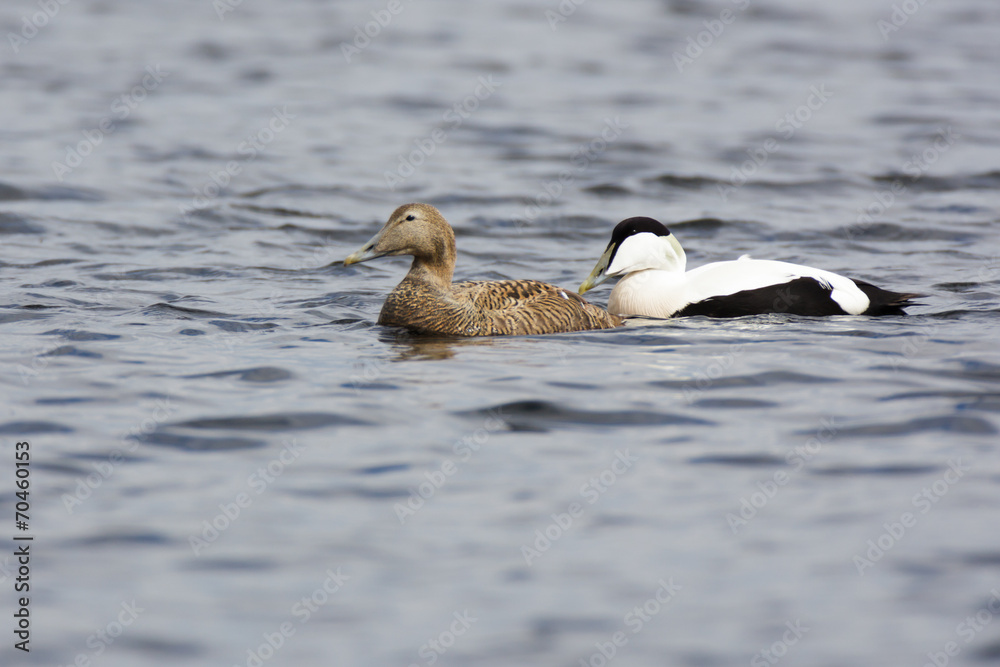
x=232 y=464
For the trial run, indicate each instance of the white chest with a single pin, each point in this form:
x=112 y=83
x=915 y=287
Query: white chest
x=653 y=293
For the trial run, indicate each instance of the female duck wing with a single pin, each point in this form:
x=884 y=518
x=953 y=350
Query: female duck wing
x=522 y=307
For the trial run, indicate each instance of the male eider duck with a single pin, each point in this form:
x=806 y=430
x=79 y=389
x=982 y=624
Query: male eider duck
x=655 y=283
x=427 y=301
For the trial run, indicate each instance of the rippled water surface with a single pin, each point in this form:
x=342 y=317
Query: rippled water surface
x=232 y=464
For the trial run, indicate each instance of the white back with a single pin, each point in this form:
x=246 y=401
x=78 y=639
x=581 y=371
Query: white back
x=722 y=278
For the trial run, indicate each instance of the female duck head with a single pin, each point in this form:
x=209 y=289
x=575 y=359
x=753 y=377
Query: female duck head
x=413 y=229
x=637 y=244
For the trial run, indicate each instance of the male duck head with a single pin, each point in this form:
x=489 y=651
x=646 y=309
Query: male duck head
x=637 y=244
x=413 y=229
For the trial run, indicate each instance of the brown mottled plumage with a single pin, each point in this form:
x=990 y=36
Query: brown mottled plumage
x=427 y=300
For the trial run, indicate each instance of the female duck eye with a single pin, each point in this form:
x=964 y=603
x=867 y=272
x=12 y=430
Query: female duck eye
x=410 y=217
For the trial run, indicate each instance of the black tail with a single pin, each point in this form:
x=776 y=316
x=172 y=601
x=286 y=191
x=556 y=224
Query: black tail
x=885 y=302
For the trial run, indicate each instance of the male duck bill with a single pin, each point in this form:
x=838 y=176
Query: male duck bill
x=655 y=283
x=428 y=301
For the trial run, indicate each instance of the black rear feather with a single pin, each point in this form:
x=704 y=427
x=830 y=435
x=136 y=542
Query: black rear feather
x=802 y=296
x=886 y=302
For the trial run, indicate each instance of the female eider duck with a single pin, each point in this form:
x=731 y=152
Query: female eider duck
x=655 y=283
x=427 y=301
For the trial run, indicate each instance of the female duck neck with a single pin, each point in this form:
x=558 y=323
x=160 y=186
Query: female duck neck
x=436 y=272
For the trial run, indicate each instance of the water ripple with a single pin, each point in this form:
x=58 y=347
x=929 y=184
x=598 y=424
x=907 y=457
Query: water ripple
x=541 y=416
